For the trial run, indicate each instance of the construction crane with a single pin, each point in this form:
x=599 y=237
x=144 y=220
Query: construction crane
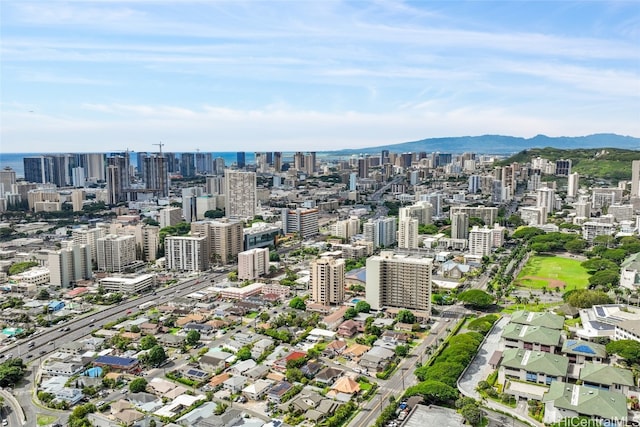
x=159 y=146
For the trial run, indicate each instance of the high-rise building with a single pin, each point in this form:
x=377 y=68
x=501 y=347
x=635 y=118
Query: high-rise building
x=408 y=233
x=241 y=159
x=474 y=184
x=188 y=165
x=37 y=169
x=189 y=203
x=7 y=180
x=77 y=199
x=363 y=167
x=240 y=189
x=563 y=167
x=399 y=281
x=546 y=197
x=116 y=253
x=204 y=163
x=303 y=221
x=118 y=178
x=488 y=215
x=156 y=176
x=345 y=228
x=89 y=237
x=460 y=225
x=224 y=238
x=421 y=210
x=572 y=186
x=169 y=216
x=277 y=161
x=327 y=281
x=381 y=231
x=148 y=237
x=218 y=166
x=384 y=157
x=253 y=263
x=70 y=264
x=635 y=178
x=480 y=241
x=187 y=253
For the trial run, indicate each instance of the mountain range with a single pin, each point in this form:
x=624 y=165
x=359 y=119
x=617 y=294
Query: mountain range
x=501 y=144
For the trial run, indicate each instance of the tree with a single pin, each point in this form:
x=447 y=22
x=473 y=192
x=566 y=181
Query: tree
x=433 y=392
x=135 y=329
x=401 y=350
x=217 y=213
x=598 y=264
x=192 y=337
x=604 y=278
x=147 y=342
x=294 y=375
x=138 y=385
x=363 y=307
x=244 y=353
x=43 y=295
x=350 y=313
x=472 y=414
x=406 y=316
x=476 y=298
x=11 y=371
x=586 y=298
x=156 y=356
x=264 y=316
x=627 y=349
x=297 y=303
x=575 y=246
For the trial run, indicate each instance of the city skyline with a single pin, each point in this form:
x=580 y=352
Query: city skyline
x=265 y=76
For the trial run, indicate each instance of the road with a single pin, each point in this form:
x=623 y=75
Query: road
x=47 y=341
x=404 y=375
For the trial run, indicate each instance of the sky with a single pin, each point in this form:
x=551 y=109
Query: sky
x=311 y=75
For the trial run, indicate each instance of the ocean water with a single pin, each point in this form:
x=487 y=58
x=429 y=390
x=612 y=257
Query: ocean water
x=14 y=160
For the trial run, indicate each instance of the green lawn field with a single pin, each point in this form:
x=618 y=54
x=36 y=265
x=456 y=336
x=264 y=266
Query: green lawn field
x=553 y=272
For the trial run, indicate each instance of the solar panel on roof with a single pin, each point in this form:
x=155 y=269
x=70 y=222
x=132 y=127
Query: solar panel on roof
x=600 y=312
x=196 y=373
x=584 y=349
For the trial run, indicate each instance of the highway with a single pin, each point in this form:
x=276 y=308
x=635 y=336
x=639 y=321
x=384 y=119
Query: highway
x=47 y=341
x=403 y=377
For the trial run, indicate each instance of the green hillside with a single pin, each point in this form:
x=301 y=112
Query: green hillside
x=607 y=163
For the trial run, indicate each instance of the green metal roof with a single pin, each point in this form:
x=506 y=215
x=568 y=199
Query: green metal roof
x=606 y=375
x=632 y=262
x=587 y=401
x=531 y=334
x=539 y=362
x=546 y=319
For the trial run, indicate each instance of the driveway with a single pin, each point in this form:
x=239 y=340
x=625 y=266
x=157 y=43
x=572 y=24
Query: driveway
x=479 y=368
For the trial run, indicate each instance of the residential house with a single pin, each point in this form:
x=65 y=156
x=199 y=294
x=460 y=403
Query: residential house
x=454 y=270
x=218 y=380
x=235 y=384
x=579 y=351
x=346 y=385
x=333 y=320
x=244 y=339
x=533 y=366
x=125 y=413
x=606 y=377
x=356 y=351
x=311 y=368
x=201 y=328
x=118 y=364
x=376 y=359
x=213 y=361
x=349 y=328
x=257 y=390
x=277 y=391
x=190 y=318
x=328 y=375
x=334 y=348
x=281 y=364
x=74 y=348
x=62 y=369
x=572 y=401
x=241 y=367
x=528 y=337
x=544 y=318
x=261 y=346
x=148 y=328
x=171 y=340
x=257 y=372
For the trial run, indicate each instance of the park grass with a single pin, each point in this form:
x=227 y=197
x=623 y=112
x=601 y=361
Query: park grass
x=543 y=271
x=45 y=420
